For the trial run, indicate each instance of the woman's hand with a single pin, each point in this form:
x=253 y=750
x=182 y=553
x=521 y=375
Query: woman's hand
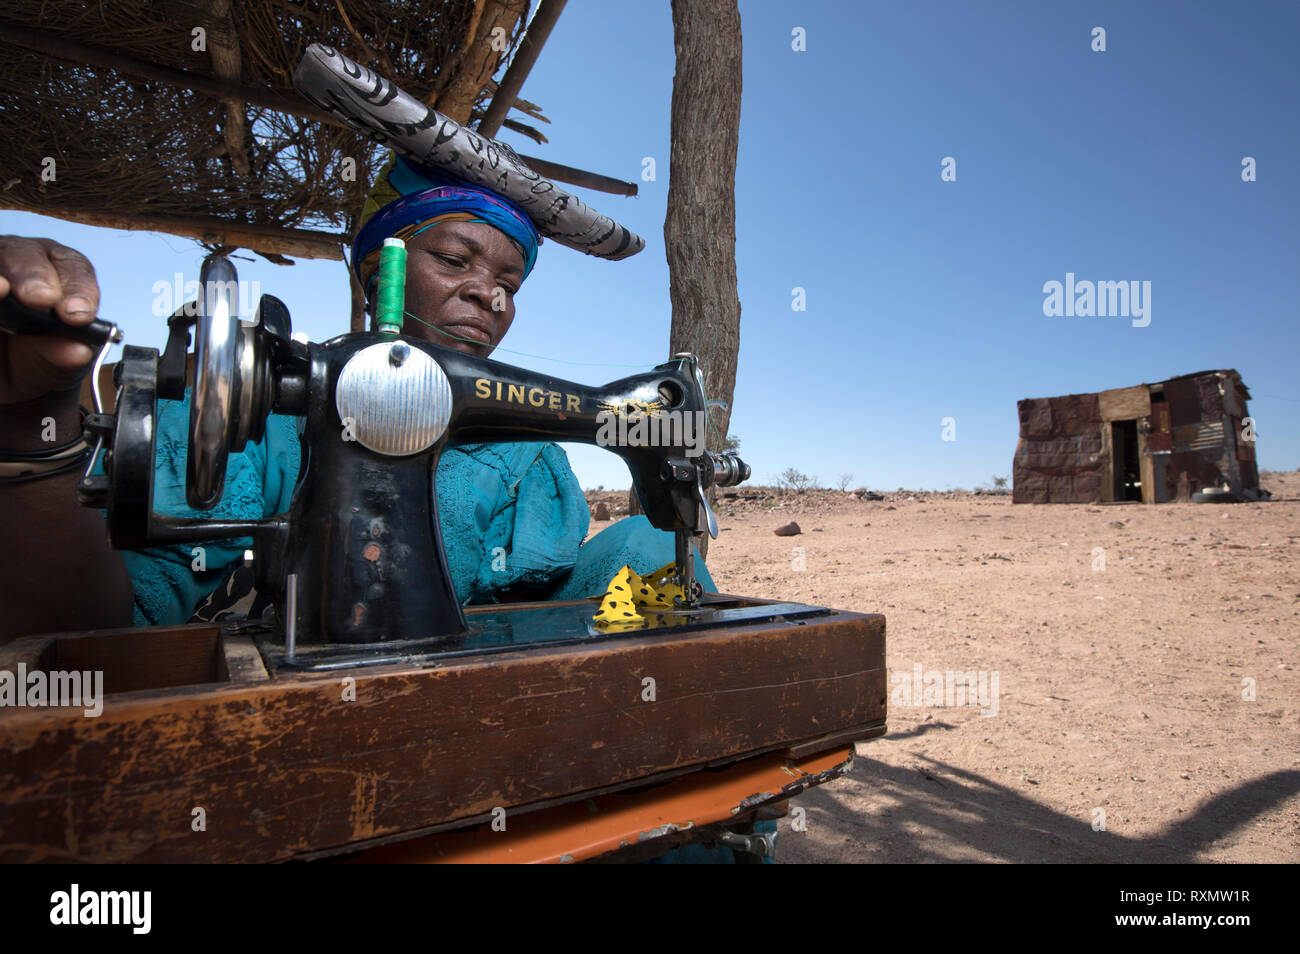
x=41 y=273
x=58 y=574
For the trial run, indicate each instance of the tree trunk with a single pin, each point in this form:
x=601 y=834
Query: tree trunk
x=700 y=229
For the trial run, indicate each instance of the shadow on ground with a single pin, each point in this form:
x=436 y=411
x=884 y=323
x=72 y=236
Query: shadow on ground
x=935 y=812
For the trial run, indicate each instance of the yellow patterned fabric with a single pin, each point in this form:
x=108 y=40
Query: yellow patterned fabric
x=382 y=192
x=628 y=591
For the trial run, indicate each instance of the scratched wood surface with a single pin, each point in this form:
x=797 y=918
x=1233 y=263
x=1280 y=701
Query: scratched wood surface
x=130 y=659
x=287 y=765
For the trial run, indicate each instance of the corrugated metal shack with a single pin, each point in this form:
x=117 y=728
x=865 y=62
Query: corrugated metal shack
x=1180 y=439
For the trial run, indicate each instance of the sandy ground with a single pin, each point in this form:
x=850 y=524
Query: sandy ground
x=1126 y=640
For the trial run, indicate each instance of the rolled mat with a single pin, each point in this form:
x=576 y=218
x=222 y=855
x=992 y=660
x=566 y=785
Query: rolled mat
x=379 y=109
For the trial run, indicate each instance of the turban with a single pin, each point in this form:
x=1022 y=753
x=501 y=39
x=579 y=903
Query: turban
x=407 y=199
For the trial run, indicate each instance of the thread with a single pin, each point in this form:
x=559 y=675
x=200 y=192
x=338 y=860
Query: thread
x=390 y=299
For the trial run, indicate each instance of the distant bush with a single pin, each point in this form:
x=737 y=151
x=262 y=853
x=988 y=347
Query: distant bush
x=792 y=479
x=844 y=481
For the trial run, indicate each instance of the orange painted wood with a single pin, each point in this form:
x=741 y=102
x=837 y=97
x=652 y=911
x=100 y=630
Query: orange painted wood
x=597 y=826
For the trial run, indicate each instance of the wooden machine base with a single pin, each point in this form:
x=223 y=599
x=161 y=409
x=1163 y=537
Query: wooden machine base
x=205 y=750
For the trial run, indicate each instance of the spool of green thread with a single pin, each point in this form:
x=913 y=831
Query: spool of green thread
x=390 y=301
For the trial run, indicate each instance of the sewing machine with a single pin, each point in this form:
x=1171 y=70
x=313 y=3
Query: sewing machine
x=359 y=562
x=454 y=714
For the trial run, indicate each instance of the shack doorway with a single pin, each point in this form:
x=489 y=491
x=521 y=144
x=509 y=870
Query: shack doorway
x=1125 y=462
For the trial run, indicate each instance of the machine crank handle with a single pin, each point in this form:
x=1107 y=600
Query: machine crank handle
x=18 y=319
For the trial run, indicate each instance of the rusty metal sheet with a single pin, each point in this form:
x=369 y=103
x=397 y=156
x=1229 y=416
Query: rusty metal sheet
x=1161 y=437
x=1202 y=435
x=585 y=830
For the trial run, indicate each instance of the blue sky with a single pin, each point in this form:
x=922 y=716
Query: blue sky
x=924 y=297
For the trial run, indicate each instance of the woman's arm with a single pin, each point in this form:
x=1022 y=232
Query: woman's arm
x=57 y=571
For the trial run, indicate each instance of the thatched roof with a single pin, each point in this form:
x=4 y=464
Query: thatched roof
x=172 y=115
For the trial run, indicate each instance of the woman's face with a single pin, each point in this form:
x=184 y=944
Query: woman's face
x=461 y=278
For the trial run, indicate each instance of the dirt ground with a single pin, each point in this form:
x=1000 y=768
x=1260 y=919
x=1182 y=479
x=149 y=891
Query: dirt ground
x=1126 y=640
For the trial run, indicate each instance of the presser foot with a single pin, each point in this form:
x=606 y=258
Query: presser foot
x=690 y=604
x=692 y=591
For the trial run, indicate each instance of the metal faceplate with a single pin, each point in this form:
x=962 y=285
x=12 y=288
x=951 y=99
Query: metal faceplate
x=393 y=399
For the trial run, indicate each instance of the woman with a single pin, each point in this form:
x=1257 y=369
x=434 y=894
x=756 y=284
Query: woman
x=513 y=515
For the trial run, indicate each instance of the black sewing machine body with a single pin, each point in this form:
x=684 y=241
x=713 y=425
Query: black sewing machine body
x=363 y=540
x=359 y=559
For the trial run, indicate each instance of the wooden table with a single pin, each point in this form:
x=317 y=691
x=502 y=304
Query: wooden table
x=202 y=753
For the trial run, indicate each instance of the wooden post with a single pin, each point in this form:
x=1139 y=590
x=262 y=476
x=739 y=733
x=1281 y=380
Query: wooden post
x=548 y=11
x=267 y=239
x=700 y=229
x=223 y=48
x=480 y=58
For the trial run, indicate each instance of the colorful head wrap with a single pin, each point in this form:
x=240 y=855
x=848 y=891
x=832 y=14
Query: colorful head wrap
x=406 y=199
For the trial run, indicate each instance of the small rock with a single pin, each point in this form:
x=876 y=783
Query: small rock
x=788 y=530
x=1117 y=524
x=602 y=511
